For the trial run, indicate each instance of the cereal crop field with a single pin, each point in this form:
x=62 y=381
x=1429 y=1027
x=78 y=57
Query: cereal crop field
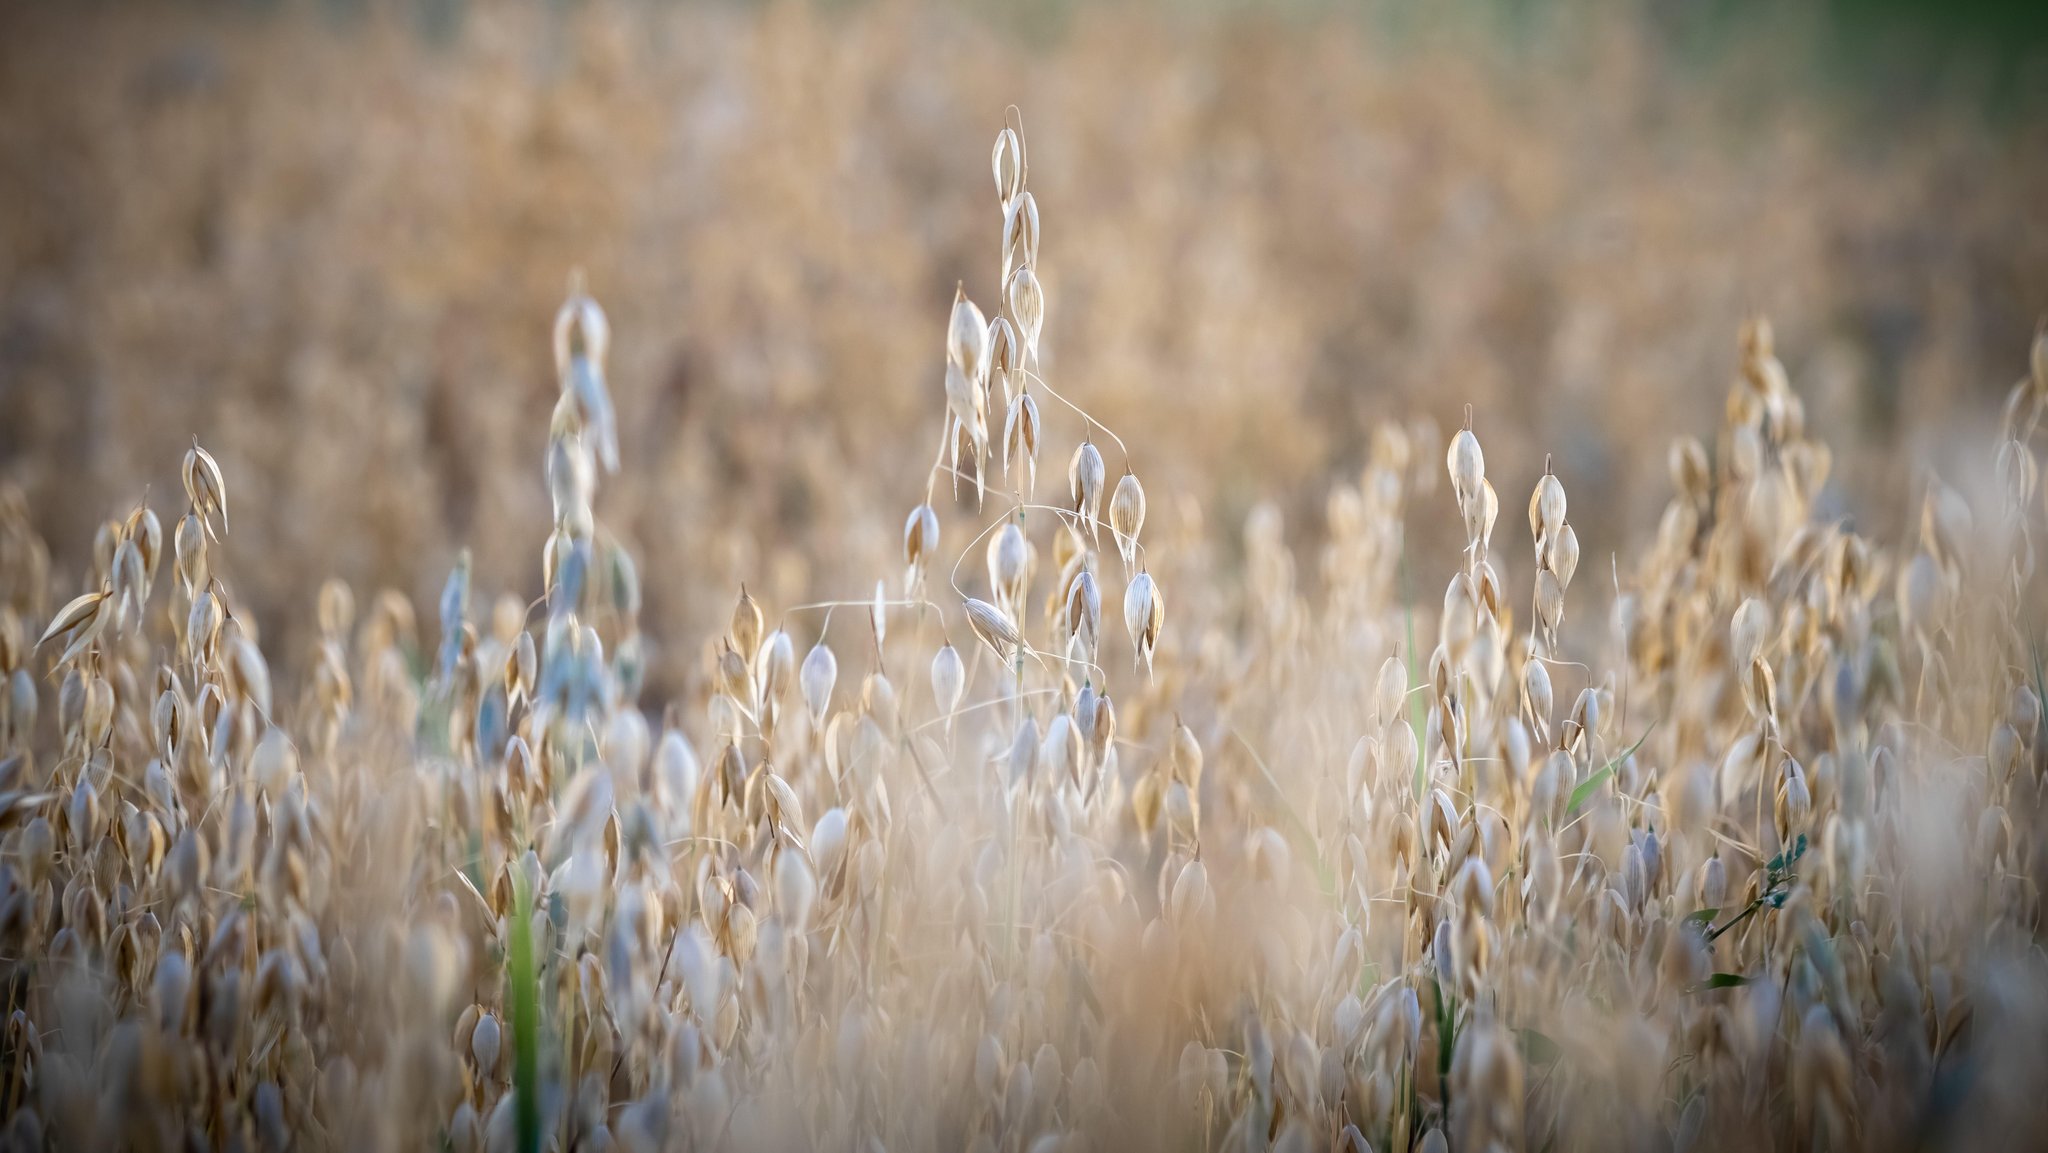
x=889 y=576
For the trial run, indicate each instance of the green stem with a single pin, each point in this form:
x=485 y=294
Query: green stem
x=1446 y=1042
x=1715 y=933
x=525 y=1020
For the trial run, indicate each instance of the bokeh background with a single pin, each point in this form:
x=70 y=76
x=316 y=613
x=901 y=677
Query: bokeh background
x=328 y=238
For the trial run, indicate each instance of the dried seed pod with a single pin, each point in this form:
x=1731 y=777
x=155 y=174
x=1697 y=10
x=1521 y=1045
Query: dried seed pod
x=967 y=337
x=71 y=704
x=1086 y=703
x=1127 y=517
x=202 y=627
x=147 y=532
x=1020 y=234
x=1487 y=597
x=949 y=681
x=1690 y=473
x=1549 y=600
x=171 y=992
x=83 y=818
x=1147 y=799
x=485 y=1047
x=1025 y=298
x=128 y=583
x=1440 y=828
x=1748 y=632
x=1537 y=702
x=994 y=628
x=580 y=328
x=190 y=546
x=796 y=889
x=1022 y=763
x=1061 y=752
x=1192 y=902
x=1100 y=732
x=96 y=715
x=775 y=666
x=205 y=487
x=1005 y=360
x=1390 y=690
x=248 y=673
x=967 y=420
x=337 y=610
x=1543 y=879
x=1187 y=757
x=187 y=865
x=1480 y=515
x=1711 y=889
x=1009 y=568
x=1008 y=163
x=1020 y=439
x=584 y=393
x=79 y=623
x=1584 y=722
x=1467 y=466
x=572 y=482
x=521 y=667
x=1546 y=513
x=1144 y=616
x=828 y=844
x=748 y=626
x=734 y=680
x=2023 y=712
x=1564 y=558
x=1760 y=690
x=920 y=544
x=1084 y=483
x=1792 y=803
x=1459 y=621
x=1082 y=618
x=820 y=671
x=104 y=542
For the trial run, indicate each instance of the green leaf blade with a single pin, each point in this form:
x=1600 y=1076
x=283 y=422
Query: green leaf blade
x=1585 y=790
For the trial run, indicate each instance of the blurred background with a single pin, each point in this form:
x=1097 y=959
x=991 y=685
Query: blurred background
x=328 y=238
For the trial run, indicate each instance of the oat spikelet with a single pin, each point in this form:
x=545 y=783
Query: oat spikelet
x=205 y=488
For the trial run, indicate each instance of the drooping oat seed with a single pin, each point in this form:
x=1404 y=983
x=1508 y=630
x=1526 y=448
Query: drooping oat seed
x=920 y=544
x=994 y=628
x=820 y=670
x=204 y=487
x=949 y=681
x=1084 y=485
x=1144 y=616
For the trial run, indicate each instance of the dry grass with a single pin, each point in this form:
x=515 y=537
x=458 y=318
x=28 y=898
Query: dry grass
x=1011 y=806
x=323 y=248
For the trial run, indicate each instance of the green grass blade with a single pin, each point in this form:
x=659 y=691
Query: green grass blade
x=525 y=1021
x=1586 y=787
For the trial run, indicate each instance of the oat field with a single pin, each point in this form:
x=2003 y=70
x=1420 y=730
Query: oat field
x=884 y=689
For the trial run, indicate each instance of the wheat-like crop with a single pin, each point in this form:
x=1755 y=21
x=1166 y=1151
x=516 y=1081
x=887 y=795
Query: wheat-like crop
x=1348 y=870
